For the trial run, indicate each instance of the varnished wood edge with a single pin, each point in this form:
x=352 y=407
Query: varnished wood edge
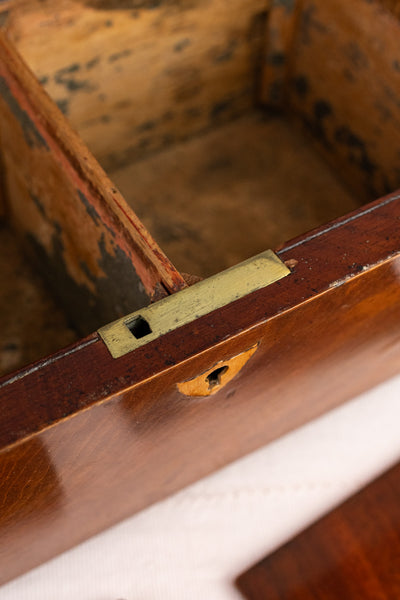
x=324 y=260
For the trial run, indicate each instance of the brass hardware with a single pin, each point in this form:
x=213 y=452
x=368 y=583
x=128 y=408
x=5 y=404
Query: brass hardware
x=151 y=322
x=217 y=376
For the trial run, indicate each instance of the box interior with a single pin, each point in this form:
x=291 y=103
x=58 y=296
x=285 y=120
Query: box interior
x=229 y=127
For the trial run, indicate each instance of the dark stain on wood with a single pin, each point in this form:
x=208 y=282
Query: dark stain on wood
x=357 y=57
x=38 y=204
x=316 y=123
x=67 y=78
x=227 y=108
x=93 y=62
x=131 y=4
x=277 y=59
x=335 y=58
x=310 y=24
x=146 y=126
x=224 y=54
x=84 y=305
x=358 y=150
x=63 y=105
x=32 y=136
x=182 y=44
x=118 y=55
x=4 y=17
x=188 y=83
x=396 y=65
x=90 y=209
x=301 y=84
x=287 y=4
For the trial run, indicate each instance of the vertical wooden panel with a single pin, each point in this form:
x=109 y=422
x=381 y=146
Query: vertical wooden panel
x=93 y=249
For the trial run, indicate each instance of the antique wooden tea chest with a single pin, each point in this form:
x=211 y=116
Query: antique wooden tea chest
x=229 y=128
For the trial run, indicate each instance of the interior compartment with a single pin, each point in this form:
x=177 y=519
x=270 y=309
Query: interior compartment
x=233 y=192
x=229 y=127
x=31 y=323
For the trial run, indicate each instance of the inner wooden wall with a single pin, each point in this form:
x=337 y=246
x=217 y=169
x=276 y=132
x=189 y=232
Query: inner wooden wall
x=336 y=65
x=135 y=76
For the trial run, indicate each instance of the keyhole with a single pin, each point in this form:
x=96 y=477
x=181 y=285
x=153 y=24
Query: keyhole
x=214 y=378
x=139 y=327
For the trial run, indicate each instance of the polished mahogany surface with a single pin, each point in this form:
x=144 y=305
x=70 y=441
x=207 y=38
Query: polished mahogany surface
x=352 y=553
x=109 y=437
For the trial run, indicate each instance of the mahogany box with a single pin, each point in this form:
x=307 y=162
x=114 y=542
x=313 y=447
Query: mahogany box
x=205 y=131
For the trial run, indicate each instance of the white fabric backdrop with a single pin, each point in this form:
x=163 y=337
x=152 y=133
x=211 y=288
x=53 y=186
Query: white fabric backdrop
x=194 y=544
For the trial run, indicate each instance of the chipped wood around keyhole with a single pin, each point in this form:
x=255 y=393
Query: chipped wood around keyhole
x=216 y=377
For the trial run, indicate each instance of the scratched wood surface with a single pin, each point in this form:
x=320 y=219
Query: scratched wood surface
x=352 y=553
x=118 y=433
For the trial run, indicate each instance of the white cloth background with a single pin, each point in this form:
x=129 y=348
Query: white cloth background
x=194 y=544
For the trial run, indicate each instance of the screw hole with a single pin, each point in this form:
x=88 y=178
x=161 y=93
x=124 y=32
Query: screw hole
x=139 y=327
x=214 y=378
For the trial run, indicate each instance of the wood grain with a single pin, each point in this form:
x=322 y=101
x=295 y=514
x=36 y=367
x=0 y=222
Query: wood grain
x=85 y=440
x=97 y=255
x=134 y=77
x=352 y=553
x=120 y=436
x=343 y=82
x=221 y=197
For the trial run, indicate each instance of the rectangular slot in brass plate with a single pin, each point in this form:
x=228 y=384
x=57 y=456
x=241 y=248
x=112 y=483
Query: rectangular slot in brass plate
x=151 y=322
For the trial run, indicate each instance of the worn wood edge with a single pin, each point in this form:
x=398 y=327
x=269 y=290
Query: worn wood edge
x=303 y=286
x=350 y=217
x=161 y=419
x=161 y=432
x=152 y=266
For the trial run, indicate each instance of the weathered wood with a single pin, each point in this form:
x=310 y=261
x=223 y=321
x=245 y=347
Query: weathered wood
x=278 y=50
x=343 y=83
x=352 y=553
x=102 y=438
x=134 y=77
x=217 y=199
x=95 y=252
x=118 y=434
x=31 y=325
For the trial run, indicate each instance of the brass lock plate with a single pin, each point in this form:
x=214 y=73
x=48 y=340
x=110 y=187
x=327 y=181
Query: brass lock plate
x=151 y=322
